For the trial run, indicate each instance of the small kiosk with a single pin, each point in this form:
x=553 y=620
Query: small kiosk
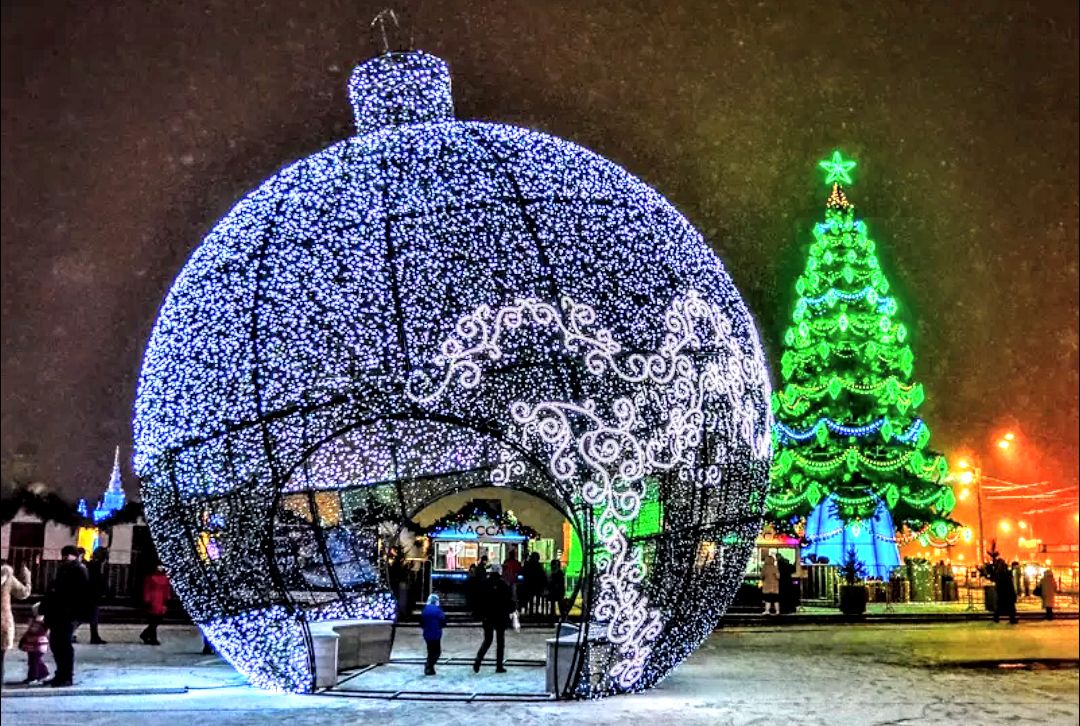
x=787 y=550
x=459 y=541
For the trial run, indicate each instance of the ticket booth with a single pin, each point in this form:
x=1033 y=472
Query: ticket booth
x=787 y=550
x=457 y=546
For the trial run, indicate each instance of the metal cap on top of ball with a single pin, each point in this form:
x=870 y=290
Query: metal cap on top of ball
x=430 y=306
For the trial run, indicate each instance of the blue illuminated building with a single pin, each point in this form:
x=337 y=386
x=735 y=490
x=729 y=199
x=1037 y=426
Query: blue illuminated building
x=113 y=499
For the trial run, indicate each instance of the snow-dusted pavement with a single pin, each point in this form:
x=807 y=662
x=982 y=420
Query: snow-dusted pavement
x=833 y=674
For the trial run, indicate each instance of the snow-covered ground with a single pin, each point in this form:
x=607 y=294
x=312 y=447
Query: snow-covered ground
x=833 y=674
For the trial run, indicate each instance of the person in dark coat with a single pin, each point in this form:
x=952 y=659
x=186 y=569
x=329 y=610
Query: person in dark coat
x=432 y=622
x=97 y=570
x=535 y=583
x=66 y=602
x=1005 y=595
x=789 y=596
x=495 y=605
x=556 y=588
x=156 y=594
x=1017 y=576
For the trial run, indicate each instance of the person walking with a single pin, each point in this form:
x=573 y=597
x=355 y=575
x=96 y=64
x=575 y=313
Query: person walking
x=156 y=594
x=432 y=622
x=770 y=586
x=1047 y=590
x=556 y=591
x=98 y=574
x=495 y=605
x=66 y=602
x=534 y=583
x=35 y=643
x=1005 y=592
x=11 y=587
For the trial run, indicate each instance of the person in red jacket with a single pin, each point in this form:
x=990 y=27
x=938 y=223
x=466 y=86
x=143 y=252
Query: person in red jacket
x=156 y=594
x=511 y=568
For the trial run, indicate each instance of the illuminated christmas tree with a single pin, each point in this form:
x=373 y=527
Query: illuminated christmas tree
x=850 y=450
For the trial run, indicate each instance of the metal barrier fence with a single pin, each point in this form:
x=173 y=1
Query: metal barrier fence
x=121 y=580
x=821 y=587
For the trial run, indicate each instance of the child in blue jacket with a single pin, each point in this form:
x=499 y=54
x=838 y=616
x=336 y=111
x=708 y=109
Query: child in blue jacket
x=432 y=621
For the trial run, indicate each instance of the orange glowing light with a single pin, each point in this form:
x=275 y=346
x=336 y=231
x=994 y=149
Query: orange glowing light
x=967 y=477
x=964 y=494
x=1004 y=526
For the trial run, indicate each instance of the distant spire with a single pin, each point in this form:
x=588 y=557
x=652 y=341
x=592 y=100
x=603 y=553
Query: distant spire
x=115 y=483
x=114 y=498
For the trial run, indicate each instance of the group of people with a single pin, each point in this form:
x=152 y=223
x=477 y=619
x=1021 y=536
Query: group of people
x=496 y=598
x=539 y=592
x=776 y=584
x=1006 y=590
x=73 y=597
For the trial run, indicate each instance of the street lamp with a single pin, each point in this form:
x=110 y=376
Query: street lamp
x=1029 y=530
x=969 y=475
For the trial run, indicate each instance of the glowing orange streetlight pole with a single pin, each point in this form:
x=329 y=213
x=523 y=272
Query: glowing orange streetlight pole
x=973 y=475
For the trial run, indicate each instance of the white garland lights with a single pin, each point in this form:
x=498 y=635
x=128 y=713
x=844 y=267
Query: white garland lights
x=432 y=306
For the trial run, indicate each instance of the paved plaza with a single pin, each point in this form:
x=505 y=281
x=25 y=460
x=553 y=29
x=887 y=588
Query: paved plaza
x=821 y=674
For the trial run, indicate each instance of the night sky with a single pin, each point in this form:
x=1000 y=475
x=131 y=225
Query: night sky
x=129 y=129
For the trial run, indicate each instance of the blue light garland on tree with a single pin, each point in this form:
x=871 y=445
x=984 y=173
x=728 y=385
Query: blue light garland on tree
x=435 y=305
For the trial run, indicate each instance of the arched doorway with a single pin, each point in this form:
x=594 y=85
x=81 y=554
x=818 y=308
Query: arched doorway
x=346 y=518
x=439 y=552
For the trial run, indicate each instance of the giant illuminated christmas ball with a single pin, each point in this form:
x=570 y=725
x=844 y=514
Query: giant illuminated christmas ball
x=430 y=306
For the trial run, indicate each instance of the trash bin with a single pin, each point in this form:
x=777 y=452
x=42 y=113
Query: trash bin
x=560 y=658
x=990 y=597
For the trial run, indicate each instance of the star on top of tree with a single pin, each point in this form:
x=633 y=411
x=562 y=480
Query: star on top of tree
x=837 y=169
